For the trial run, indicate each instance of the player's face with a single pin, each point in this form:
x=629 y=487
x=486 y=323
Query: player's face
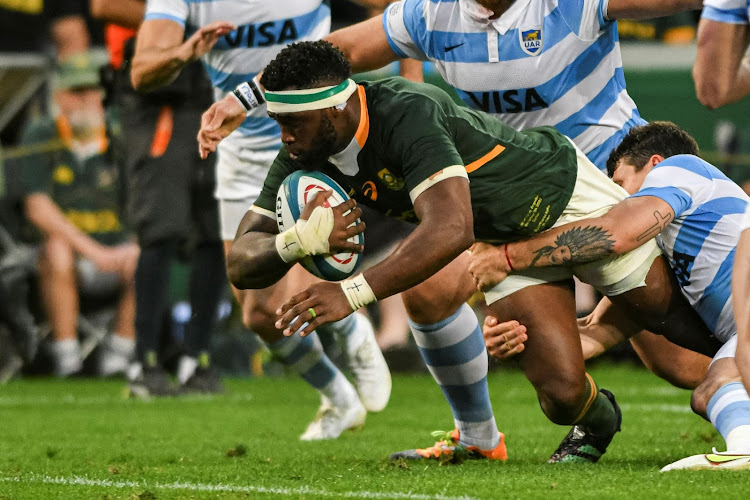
x=498 y=7
x=83 y=109
x=628 y=176
x=309 y=136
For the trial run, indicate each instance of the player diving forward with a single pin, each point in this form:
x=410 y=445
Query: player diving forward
x=521 y=183
x=694 y=212
x=233 y=53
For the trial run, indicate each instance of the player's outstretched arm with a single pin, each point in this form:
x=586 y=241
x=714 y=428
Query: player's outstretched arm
x=646 y=9
x=628 y=225
x=741 y=300
x=260 y=256
x=160 y=53
x=721 y=71
x=445 y=230
x=365 y=45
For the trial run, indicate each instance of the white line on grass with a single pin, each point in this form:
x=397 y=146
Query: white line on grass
x=65 y=399
x=215 y=488
x=656 y=408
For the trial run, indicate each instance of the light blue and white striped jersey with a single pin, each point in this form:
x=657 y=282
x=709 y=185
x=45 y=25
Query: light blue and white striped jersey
x=264 y=28
x=727 y=11
x=701 y=241
x=543 y=62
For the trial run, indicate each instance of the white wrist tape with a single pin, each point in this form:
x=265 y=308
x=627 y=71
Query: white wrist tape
x=358 y=292
x=306 y=237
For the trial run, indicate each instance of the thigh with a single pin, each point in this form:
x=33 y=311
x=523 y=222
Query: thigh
x=440 y=295
x=661 y=308
x=678 y=366
x=552 y=358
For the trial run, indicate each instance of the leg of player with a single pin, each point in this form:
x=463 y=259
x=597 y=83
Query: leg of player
x=553 y=363
x=340 y=407
x=723 y=399
x=450 y=340
x=609 y=325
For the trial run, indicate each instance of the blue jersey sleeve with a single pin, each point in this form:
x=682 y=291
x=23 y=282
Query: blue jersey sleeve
x=405 y=27
x=172 y=10
x=726 y=11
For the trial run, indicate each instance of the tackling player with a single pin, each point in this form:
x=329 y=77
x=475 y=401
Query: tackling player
x=521 y=183
x=233 y=53
x=567 y=72
x=694 y=213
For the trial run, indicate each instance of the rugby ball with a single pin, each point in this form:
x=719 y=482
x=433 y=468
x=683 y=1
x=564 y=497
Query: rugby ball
x=294 y=193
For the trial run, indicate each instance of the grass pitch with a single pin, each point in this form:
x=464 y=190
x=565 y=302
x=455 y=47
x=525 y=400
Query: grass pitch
x=80 y=439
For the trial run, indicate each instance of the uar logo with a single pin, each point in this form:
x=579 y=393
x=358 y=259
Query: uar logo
x=531 y=41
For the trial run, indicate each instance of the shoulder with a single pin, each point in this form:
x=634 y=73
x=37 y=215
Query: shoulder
x=687 y=165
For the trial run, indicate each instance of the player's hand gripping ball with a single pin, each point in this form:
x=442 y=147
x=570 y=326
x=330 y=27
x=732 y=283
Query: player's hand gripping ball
x=294 y=193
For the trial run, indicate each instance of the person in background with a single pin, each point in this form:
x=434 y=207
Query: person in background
x=170 y=202
x=73 y=196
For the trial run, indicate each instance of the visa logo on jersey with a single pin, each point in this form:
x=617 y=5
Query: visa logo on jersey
x=505 y=101
x=531 y=41
x=260 y=35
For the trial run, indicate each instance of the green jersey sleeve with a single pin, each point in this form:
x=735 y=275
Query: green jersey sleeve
x=281 y=167
x=422 y=143
x=36 y=166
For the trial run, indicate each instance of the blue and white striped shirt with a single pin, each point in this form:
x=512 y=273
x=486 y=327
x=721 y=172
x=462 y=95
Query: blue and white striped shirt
x=701 y=241
x=543 y=62
x=264 y=28
x=727 y=11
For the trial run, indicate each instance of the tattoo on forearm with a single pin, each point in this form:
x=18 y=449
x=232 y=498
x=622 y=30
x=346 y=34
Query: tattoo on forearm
x=578 y=246
x=662 y=221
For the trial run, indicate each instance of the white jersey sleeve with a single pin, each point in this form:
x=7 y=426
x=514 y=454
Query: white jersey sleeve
x=746 y=219
x=401 y=22
x=726 y=11
x=683 y=181
x=593 y=17
x=173 y=10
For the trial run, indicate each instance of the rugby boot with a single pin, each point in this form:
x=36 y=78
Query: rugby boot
x=449 y=450
x=581 y=446
x=712 y=461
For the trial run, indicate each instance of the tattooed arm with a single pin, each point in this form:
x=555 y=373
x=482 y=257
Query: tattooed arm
x=628 y=225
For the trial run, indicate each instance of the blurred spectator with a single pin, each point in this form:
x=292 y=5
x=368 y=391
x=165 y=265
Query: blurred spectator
x=28 y=27
x=74 y=198
x=170 y=203
x=675 y=29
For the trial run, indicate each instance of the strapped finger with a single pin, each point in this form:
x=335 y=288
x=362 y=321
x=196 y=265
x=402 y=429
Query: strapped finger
x=353 y=215
x=355 y=230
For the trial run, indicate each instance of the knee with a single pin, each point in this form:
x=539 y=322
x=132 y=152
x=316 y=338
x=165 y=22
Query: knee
x=562 y=399
x=258 y=318
x=425 y=306
x=705 y=391
x=57 y=257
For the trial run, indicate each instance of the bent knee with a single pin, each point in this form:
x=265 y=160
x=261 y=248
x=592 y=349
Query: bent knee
x=705 y=391
x=563 y=401
x=57 y=256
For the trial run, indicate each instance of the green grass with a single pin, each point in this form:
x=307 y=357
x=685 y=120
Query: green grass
x=244 y=445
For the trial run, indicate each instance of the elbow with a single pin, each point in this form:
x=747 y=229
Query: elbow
x=137 y=78
x=96 y=9
x=711 y=92
x=236 y=271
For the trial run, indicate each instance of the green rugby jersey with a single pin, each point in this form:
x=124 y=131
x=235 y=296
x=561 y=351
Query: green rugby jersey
x=409 y=136
x=88 y=192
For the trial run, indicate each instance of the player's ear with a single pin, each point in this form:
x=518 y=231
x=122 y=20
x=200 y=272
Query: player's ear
x=655 y=160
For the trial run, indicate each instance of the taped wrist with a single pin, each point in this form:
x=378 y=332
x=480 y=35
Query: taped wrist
x=306 y=237
x=249 y=95
x=358 y=292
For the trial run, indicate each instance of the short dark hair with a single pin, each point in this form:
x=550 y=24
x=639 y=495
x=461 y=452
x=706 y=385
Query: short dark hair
x=305 y=65
x=655 y=138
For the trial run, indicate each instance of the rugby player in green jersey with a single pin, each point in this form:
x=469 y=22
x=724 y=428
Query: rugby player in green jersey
x=408 y=151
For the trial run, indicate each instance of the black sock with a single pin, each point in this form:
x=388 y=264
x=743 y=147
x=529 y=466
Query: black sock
x=207 y=281
x=151 y=287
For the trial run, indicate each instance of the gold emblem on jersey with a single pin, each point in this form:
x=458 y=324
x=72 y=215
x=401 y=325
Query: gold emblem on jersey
x=63 y=174
x=391 y=180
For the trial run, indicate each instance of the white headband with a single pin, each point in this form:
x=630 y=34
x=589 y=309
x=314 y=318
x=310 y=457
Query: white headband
x=294 y=101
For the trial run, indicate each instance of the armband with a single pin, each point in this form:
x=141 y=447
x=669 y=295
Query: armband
x=249 y=95
x=358 y=292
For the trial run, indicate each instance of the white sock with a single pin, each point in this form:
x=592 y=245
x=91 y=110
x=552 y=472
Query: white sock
x=67 y=357
x=186 y=369
x=339 y=391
